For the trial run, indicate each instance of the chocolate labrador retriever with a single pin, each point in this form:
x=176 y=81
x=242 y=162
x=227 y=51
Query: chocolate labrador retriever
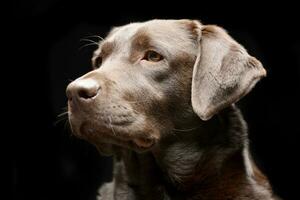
x=161 y=100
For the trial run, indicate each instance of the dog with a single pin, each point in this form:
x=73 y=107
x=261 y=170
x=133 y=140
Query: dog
x=161 y=99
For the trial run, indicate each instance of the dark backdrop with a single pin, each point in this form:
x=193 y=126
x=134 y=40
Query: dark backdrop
x=48 y=163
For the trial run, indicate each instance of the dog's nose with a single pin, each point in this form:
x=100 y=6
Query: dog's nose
x=82 y=89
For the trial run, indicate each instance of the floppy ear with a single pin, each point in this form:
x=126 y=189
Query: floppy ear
x=223 y=72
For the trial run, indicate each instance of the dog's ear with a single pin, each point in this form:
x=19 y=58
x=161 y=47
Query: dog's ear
x=223 y=72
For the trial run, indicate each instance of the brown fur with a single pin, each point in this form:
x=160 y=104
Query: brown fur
x=171 y=125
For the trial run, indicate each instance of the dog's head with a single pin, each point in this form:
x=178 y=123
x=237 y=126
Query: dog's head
x=152 y=77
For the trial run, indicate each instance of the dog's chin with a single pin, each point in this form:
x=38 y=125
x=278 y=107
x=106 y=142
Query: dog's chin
x=109 y=139
x=109 y=144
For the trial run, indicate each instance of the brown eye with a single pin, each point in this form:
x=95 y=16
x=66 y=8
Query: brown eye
x=153 y=56
x=97 y=62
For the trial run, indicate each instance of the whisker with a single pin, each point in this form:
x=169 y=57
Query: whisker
x=110 y=125
x=62 y=114
x=60 y=120
x=66 y=125
x=88 y=40
x=86 y=45
x=95 y=36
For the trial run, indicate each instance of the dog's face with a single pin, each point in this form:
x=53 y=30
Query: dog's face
x=152 y=77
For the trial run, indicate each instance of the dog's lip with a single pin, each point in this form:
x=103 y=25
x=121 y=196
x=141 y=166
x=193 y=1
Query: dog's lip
x=139 y=144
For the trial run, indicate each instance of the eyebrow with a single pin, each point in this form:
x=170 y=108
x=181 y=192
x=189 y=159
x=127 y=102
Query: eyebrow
x=141 y=40
x=107 y=48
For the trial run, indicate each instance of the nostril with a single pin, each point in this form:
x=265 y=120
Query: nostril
x=87 y=93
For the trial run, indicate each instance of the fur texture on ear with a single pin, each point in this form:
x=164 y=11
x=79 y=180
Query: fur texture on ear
x=223 y=72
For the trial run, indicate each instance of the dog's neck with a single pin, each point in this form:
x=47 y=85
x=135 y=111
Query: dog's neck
x=199 y=156
x=196 y=162
x=138 y=176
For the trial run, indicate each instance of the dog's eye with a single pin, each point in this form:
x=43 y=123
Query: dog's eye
x=97 y=62
x=153 y=56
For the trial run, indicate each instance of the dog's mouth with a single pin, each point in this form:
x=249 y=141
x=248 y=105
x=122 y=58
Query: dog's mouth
x=123 y=135
x=134 y=142
x=114 y=125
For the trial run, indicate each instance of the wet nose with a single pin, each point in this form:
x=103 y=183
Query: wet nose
x=82 y=89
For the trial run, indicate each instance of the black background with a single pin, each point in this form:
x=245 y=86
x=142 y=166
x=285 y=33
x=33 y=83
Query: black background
x=48 y=163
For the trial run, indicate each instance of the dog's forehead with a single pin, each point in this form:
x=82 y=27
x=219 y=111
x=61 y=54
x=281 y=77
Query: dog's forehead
x=167 y=33
x=123 y=33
